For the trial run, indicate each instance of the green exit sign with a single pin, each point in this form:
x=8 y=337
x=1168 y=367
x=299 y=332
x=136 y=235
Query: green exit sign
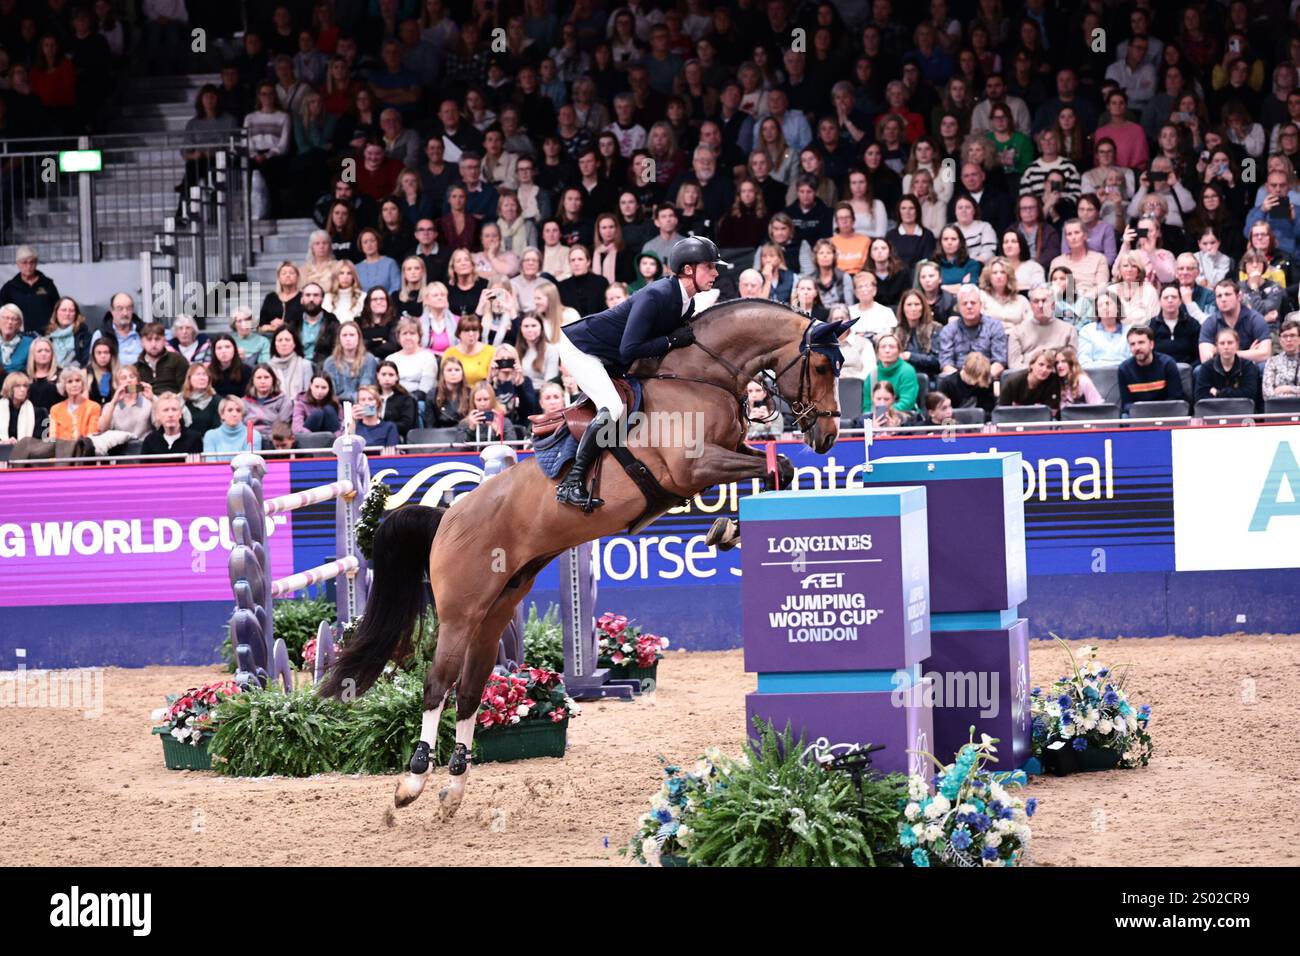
x=81 y=161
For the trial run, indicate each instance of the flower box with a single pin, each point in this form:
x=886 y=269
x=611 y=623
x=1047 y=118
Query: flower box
x=673 y=861
x=179 y=756
x=528 y=738
x=648 y=676
x=1066 y=760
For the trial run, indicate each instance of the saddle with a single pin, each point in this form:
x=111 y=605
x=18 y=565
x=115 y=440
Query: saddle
x=556 y=435
x=580 y=412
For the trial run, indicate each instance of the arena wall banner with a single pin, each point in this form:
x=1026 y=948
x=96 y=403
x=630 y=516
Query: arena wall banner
x=127 y=565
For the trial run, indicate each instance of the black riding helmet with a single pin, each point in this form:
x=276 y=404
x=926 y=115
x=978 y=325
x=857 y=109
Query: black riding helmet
x=692 y=250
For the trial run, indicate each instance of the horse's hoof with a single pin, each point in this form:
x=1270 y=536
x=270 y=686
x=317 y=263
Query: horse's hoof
x=449 y=802
x=409 y=788
x=724 y=534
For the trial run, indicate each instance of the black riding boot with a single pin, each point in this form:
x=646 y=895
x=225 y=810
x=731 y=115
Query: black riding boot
x=573 y=490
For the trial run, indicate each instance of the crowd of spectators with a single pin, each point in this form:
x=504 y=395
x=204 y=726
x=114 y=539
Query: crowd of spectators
x=1001 y=195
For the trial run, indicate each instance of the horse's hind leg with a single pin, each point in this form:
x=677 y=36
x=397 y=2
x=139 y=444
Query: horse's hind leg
x=474 y=673
x=437 y=682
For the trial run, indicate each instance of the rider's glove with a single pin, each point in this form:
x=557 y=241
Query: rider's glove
x=680 y=339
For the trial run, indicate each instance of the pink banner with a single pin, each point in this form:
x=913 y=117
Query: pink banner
x=124 y=534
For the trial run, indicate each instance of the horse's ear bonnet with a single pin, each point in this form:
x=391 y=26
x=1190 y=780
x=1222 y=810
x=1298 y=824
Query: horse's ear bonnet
x=824 y=337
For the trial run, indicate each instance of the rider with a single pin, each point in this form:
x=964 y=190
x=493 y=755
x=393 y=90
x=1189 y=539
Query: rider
x=646 y=324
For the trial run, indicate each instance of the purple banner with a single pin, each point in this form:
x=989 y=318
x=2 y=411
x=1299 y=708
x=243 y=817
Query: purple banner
x=123 y=535
x=860 y=607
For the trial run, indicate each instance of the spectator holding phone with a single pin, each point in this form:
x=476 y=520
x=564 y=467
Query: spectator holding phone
x=486 y=421
x=514 y=389
x=884 y=407
x=369 y=425
x=1277 y=209
x=129 y=415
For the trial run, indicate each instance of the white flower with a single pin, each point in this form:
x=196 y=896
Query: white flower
x=918 y=830
x=650 y=850
x=912 y=811
x=993 y=838
x=1022 y=833
x=522 y=710
x=916 y=788
x=987 y=742
x=938 y=807
x=658 y=801
x=1121 y=725
x=180 y=733
x=158 y=714
x=997 y=793
x=1067 y=730
x=1004 y=826
x=1090 y=723
x=1104 y=726
x=933 y=832
x=684 y=836
x=967 y=808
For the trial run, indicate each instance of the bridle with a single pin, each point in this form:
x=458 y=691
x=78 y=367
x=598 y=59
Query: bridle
x=806 y=413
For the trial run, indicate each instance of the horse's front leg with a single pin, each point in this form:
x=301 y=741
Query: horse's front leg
x=784 y=467
x=718 y=465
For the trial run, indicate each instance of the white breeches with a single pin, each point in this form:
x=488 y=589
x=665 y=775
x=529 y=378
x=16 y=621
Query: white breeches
x=589 y=372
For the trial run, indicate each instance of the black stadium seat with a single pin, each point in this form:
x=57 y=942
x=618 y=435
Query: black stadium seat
x=969 y=416
x=1282 y=406
x=1090 y=413
x=1021 y=414
x=1215 y=407
x=1157 y=411
x=315 y=439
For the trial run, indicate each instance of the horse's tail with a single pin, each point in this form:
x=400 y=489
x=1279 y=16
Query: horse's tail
x=395 y=602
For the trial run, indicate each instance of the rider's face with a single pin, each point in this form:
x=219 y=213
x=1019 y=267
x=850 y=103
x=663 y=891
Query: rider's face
x=705 y=275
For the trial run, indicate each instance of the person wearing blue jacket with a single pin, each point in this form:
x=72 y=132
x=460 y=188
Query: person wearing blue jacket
x=646 y=324
x=14 y=345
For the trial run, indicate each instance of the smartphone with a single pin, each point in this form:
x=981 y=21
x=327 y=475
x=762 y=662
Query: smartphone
x=1282 y=210
x=132 y=389
x=1141 y=232
x=1158 y=176
x=879 y=411
x=369 y=410
x=1235 y=45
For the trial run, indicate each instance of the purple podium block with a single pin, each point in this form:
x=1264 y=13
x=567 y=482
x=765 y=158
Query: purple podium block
x=835 y=580
x=981 y=677
x=835 y=723
x=977 y=526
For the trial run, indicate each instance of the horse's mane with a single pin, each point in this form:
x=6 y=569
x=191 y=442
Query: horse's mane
x=722 y=310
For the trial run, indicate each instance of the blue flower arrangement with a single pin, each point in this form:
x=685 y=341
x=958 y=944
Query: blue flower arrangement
x=971 y=819
x=1089 y=709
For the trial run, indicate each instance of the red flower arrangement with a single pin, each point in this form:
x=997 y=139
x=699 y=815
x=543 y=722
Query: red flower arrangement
x=309 y=655
x=622 y=643
x=533 y=693
x=188 y=716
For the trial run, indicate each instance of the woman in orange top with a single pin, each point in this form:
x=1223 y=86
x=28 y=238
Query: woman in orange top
x=850 y=248
x=76 y=416
x=54 y=78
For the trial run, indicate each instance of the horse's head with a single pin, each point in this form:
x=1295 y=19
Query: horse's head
x=799 y=356
x=806 y=376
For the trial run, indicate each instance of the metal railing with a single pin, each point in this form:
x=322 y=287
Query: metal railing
x=115 y=212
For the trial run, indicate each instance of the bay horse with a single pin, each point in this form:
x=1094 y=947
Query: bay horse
x=483 y=551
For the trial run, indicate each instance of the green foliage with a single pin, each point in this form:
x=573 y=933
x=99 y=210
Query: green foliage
x=383 y=726
x=773 y=808
x=544 y=639
x=297 y=622
x=264 y=732
x=372 y=512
